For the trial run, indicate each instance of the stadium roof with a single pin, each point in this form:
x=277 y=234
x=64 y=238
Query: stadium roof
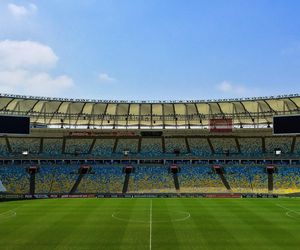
x=139 y=114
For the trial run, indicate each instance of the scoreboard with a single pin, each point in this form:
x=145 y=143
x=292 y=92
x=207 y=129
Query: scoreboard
x=286 y=124
x=14 y=125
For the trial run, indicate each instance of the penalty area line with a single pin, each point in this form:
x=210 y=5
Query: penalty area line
x=286 y=208
x=10 y=213
x=289 y=211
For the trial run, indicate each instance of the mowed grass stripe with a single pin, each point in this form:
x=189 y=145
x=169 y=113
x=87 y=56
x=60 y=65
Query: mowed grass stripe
x=65 y=225
x=88 y=224
x=186 y=238
x=183 y=228
x=136 y=234
x=247 y=221
x=268 y=222
x=163 y=232
x=216 y=225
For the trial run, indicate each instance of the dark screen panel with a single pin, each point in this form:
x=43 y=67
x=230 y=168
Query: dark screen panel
x=286 y=124
x=151 y=133
x=14 y=125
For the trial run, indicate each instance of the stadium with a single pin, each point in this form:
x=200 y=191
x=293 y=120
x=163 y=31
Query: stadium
x=100 y=174
x=149 y=125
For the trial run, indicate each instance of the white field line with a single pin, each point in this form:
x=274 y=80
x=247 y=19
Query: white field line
x=289 y=211
x=187 y=216
x=150 y=222
x=10 y=213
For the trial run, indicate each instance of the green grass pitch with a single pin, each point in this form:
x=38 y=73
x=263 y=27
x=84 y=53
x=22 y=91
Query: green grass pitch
x=150 y=224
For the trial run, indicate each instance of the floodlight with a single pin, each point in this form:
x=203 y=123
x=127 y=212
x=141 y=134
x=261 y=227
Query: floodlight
x=25 y=152
x=277 y=151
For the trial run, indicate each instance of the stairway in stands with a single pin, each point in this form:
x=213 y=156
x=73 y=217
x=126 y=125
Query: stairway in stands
x=127 y=170
x=32 y=184
x=83 y=170
x=176 y=182
x=225 y=182
x=32 y=170
x=174 y=170
x=270 y=171
x=125 y=184
x=76 y=184
x=219 y=171
x=270 y=182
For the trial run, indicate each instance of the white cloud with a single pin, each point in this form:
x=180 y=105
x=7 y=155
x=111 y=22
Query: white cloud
x=20 y=11
x=26 y=55
x=33 y=83
x=227 y=87
x=33 y=7
x=103 y=77
x=24 y=69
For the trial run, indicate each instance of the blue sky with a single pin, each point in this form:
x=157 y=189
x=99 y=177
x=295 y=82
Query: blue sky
x=150 y=50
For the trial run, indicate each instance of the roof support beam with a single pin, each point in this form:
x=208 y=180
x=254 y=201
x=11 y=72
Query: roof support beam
x=127 y=116
x=80 y=113
x=140 y=112
x=175 y=115
x=163 y=116
x=199 y=115
x=104 y=115
x=92 y=116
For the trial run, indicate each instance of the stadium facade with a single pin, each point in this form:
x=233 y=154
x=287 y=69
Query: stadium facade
x=90 y=147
